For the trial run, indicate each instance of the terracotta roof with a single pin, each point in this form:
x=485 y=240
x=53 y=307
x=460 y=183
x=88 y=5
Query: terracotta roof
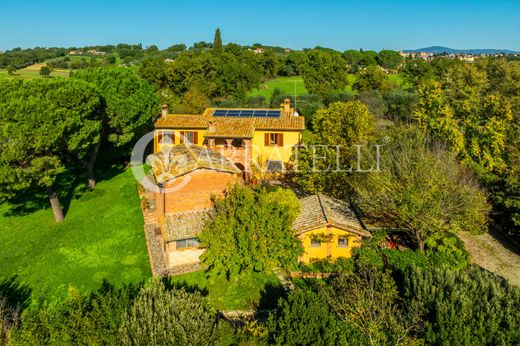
x=232 y=127
x=181 y=159
x=182 y=121
x=188 y=224
x=320 y=210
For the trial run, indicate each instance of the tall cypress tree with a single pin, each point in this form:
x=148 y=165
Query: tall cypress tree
x=217 y=42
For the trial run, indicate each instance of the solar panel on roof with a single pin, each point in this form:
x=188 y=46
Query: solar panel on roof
x=220 y=113
x=246 y=113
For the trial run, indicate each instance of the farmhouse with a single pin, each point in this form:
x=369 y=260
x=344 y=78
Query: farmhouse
x=327 y=228
x=188 y=176
x=200 y=156
x=253 y=139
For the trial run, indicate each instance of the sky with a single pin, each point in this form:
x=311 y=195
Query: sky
x=367 y=24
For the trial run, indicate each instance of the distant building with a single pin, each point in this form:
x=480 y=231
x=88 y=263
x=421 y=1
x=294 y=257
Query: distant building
x=417 y=55
x=96 y=52
x=287 y=50
x=259 y=50
x=467 y=57
x=75 y=52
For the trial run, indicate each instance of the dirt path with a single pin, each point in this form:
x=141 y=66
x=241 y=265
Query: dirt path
x=494 y=253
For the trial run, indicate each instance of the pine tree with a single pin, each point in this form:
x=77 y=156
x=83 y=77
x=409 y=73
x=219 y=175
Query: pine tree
x=217 y=42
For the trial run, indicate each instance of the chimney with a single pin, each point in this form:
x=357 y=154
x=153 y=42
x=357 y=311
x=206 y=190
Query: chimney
x=164 y=110
x=212 y=127
x=286 y=106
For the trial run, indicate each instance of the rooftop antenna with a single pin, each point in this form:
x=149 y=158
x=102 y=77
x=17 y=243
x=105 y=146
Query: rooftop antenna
x=295 y=95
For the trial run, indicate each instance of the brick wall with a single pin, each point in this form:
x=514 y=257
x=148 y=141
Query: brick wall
x=193 y=191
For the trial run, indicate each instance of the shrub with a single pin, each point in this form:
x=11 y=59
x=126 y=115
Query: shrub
x=464 y=307
x=304 y=319
x=162 y=317
x=79 y=319
x=9 y=319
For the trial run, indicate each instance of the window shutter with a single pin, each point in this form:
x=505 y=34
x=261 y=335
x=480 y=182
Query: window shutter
x=182 y=137
x=266 y=139
x=280 y=139
x=173 y=137
x=159 y=137
x=196 y=137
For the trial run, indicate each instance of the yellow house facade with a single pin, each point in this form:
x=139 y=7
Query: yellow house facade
x=253 y=139
x=327 y=228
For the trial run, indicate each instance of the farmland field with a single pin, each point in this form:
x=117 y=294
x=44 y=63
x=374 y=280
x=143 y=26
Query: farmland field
x=32 y=72
x=288 y=84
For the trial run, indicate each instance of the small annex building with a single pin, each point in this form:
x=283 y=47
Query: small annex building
x=327 y=228
x=188 y=176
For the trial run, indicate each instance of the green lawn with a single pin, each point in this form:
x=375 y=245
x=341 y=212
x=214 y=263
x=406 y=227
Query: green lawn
x=245 y=292
x=286 y=84
x=101 y=238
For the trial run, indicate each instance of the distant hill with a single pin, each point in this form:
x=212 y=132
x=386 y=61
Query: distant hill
x=439 y=50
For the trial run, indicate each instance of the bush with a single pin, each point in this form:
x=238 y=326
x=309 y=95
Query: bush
x=304 y=319
x=464 y=307
x=162 y=317
x=9 y=319
x=79 y=319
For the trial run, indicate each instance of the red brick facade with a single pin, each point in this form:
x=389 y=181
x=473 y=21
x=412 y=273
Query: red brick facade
x=193 y=191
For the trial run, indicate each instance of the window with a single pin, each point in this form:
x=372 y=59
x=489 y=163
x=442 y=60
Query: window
x=165 y=137
x=190 y=137
x=342 y=242
x=272 y=139
x=315 y=243
x=274 y=166
x=186 y=243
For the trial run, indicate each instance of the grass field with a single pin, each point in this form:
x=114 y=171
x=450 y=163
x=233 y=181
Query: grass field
x=286 y=84
x=100 y=238
x=245 y=292
x=32 y=72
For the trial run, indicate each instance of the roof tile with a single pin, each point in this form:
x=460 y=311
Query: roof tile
x=320 y=210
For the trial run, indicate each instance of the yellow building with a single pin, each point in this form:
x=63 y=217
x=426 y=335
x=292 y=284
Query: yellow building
x=253 y=139
x=327 y=228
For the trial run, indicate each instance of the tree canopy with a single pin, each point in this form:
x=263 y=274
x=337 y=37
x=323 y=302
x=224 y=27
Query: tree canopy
x=252 y=231
x=421 y=189
x=389 y=59
x=44 y=125
x=324 y=165
x=130 y=105
x=217 y=42
x=324 y=72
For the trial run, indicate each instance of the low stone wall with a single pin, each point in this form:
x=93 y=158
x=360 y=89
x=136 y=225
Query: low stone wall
x=311 y=275
x=183 y=269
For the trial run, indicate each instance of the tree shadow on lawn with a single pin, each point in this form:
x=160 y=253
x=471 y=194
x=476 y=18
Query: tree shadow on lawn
x=16 y=293
x=70 y=185
x=190 y=288
x=504 y=239
x=270 y=295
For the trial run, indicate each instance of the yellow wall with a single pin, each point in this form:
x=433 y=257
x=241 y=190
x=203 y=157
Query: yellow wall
x=158 y=147
x=329 y=247
x=262 y=153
